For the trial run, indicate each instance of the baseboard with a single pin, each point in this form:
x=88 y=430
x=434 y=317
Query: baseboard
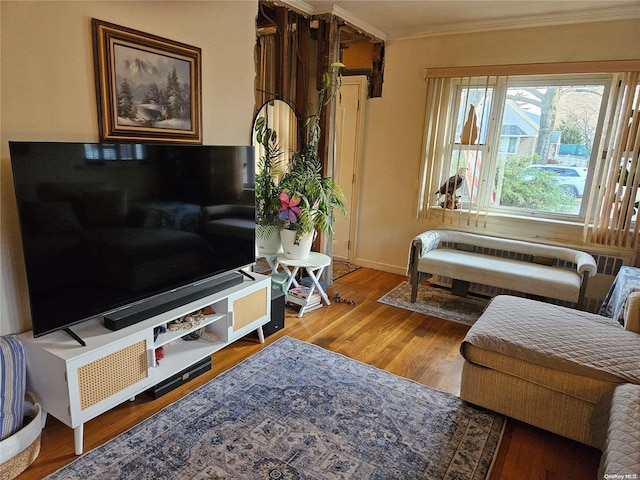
x=385 y=267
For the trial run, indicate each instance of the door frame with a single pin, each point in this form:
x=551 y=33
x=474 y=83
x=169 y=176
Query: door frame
x=363 y=83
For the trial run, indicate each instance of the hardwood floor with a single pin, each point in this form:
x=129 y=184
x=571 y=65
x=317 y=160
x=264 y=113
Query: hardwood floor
x=412 y=345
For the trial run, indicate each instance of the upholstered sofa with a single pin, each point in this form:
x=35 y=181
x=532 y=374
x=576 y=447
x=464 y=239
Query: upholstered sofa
x=570 y=372
x=527 y=267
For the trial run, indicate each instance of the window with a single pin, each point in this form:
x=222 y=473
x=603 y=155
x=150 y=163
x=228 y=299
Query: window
x=528 y=119
x=544 y=145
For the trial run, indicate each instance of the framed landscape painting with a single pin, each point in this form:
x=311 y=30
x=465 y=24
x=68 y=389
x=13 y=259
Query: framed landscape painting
x=148 y=88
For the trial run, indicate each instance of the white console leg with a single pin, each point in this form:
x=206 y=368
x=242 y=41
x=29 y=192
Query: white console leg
x=78 y=434
x=260 y=334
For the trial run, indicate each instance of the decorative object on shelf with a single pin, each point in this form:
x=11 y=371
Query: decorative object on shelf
x=448 y=189
x=188 y=321
x=159 y=353
x=158 y=330
x=148 y=87
x=171 y=345
x=208 y=336
x=452 y=202
x=191 y=336
x=469 y=133
x=309 y=200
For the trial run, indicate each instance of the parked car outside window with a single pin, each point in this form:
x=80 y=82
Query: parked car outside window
x=571 y=179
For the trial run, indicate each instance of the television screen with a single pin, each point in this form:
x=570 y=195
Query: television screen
x=107 y=225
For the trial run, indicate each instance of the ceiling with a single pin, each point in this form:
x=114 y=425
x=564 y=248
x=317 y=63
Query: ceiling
x=393 y=19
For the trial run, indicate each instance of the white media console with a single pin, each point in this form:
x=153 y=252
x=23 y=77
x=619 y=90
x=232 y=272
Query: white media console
x=76 y=383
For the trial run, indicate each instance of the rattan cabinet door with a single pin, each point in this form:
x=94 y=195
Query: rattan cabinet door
x=109 y=376
x=249 y=309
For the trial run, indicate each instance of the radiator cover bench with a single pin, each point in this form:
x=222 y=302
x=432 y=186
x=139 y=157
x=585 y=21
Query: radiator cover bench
x=543 y=270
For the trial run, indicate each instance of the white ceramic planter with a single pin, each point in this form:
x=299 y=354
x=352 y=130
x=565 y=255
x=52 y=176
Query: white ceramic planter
x=267 y=240
x=296 y=250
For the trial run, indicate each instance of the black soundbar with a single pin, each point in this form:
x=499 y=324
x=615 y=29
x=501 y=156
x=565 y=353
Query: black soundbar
x=141 y=311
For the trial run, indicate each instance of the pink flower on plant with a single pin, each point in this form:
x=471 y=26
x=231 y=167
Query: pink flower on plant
x=289 y=209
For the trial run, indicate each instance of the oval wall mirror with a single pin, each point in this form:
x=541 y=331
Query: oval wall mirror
x=280 y=117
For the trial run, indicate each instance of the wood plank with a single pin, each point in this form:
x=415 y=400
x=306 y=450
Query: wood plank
x=419 y=347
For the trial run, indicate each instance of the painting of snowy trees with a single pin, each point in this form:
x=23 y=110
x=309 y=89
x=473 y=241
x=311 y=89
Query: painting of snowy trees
x=149 y=87
x=152 y=90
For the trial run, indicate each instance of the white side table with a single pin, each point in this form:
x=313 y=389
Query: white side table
x=271 y=259
x=314 y=265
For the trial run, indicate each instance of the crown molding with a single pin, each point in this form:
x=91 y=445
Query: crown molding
x=341 y=13
x=531 y=21
x=352 y=20
x=592 y=16
x=296 y=5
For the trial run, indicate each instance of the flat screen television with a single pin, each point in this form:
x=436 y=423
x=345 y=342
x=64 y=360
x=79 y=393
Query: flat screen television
x=107 y=226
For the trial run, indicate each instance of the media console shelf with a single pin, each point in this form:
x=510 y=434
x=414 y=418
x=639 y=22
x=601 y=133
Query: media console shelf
x=76 y=383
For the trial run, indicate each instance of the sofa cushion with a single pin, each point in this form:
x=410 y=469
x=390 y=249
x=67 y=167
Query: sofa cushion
x=503 y=272
x=558 y=338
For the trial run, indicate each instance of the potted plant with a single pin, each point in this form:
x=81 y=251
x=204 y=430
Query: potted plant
x=307 y=199
x=268 y=224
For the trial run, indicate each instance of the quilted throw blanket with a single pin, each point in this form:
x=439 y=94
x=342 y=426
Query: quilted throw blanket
x=557 y=337
x=621 y=450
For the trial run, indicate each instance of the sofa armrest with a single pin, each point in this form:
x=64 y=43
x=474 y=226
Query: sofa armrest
x=585 y=263
x=420 y=245
x=632 y=312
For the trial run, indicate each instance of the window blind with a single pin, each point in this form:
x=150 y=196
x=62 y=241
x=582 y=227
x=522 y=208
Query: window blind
x=447 y=153
x=611 y=211
x=613 y=204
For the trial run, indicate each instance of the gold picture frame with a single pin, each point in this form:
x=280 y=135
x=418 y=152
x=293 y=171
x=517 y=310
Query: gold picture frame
x=148 y=88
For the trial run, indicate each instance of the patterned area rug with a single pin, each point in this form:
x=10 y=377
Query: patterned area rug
x=340 y=268
x=297 y=411
x=437 y=302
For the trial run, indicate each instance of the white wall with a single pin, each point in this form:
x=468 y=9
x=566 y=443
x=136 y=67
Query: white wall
x=47 y=89
x=394 y=124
